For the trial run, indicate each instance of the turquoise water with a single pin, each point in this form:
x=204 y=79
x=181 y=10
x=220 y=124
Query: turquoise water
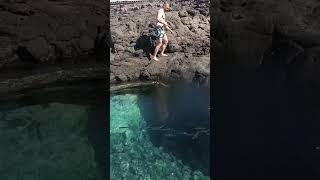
x=51 y=135
x=60 y=133
x=135 y=148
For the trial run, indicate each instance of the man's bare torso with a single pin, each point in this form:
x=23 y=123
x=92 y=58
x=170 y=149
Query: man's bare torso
x=161 y=15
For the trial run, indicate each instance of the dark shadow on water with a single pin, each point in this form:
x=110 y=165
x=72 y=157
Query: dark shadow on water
x=177 y=113
x=266 y=125
x=267 y=118
x=98 y=135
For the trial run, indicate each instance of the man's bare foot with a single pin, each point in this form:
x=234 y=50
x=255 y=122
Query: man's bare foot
x=154 y=57
x=165 y=55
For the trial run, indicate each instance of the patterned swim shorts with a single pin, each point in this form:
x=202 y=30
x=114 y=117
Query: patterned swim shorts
x=160 y=32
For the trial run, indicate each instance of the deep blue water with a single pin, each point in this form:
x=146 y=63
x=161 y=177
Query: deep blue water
x=266 y=125
x=185 y=110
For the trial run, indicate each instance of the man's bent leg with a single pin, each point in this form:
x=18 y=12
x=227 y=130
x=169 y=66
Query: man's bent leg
x=165 y=43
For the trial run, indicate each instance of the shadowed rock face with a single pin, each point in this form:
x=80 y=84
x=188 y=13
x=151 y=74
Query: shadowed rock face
x=247 y=31
x=49 y=30
x=43 y=42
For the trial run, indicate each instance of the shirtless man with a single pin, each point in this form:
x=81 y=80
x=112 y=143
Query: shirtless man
x=163 y=39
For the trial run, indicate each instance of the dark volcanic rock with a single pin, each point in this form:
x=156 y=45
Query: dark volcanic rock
x=38 y=78
x=133 y=43
x=175 y=67
x=25 y=55
x=49 y=30
x=38 y=36
x=245 y=27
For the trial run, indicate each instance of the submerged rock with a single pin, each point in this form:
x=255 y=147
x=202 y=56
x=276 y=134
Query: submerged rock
x=133 y=156
x=46 y=142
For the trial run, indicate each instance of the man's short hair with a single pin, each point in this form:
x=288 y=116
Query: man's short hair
x=166 y=2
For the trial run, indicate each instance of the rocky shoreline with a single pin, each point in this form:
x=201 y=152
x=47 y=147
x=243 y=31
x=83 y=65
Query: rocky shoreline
x=249 y=33
x=19 y=82
x=188 y=48
x=44 y=42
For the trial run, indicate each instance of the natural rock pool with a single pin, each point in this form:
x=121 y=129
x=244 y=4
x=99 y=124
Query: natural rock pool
x=60 y=132
x=53 y=133
x=160 y=133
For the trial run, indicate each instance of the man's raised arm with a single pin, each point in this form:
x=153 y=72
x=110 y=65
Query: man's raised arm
x=169 y=28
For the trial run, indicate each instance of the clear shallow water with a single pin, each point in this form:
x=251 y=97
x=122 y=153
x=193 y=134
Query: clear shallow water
x=52 y=135
x=160 y=133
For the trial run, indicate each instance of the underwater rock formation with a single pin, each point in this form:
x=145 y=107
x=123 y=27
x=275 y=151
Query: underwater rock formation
x=46 y=142
x=132 y=154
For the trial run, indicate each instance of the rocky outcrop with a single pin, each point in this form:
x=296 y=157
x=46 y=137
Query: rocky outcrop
x=49 y=31
x=13 y=82
x=44 y=42
x=252 y=33
x=188 y=48
x=175 y=67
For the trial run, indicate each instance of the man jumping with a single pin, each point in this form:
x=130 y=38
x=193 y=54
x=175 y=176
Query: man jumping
x=163 y=39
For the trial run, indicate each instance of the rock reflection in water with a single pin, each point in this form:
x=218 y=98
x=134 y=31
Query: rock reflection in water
x=161 y=95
